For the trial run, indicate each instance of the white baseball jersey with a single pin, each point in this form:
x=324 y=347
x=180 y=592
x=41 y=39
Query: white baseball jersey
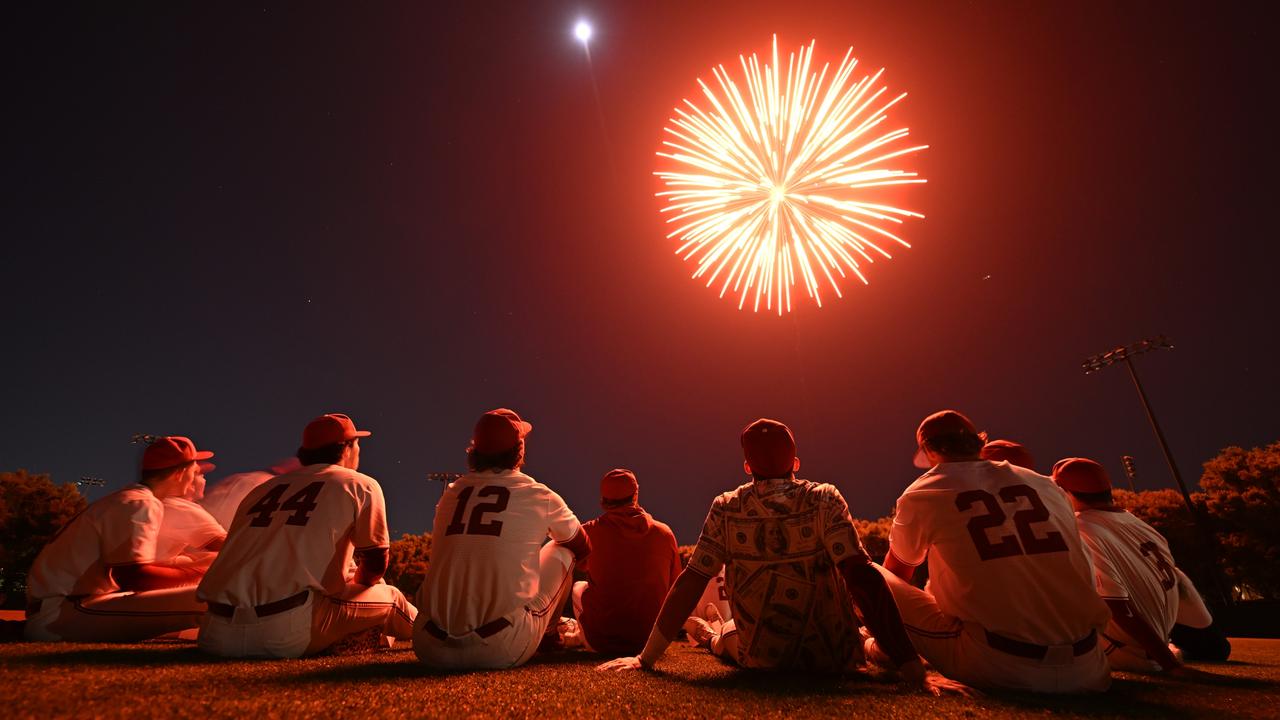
x=119 y=529
x=225 y=496
x=1132 y=561
x=488 y=530
x=295 y=532
x=186 y=529
x=1003 y=551
x=717 y=595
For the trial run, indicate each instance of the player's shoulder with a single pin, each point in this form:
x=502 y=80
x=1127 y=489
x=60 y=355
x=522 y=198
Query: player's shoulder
x=333 y=474
x=133 y=495
x=660 y=527
x=821 y=493
x=730 y=499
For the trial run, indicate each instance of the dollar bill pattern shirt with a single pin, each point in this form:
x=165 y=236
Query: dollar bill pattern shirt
x=779 y=542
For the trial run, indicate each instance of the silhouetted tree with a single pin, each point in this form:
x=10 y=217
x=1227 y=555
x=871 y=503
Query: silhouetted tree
x=1241 y=491
x=407 y=567
x=32 y=510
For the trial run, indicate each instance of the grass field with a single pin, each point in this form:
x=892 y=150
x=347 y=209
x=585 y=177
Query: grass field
x=175 y=680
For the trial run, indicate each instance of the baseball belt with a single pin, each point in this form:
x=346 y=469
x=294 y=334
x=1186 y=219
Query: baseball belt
x=267 y=610
x=486 y=630
x=1032 y=651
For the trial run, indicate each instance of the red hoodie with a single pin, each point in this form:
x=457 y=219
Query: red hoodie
x=633 y=563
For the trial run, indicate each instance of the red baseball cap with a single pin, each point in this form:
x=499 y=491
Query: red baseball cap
x=769 y=448
x=330 y=429
x=943 y=422
x=1009 y=451
x=1081 y=475
x=618 y=484
x=498 y=431
x=172 y=451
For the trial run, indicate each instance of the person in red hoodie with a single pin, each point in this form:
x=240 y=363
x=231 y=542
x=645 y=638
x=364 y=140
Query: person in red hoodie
x=634 y=561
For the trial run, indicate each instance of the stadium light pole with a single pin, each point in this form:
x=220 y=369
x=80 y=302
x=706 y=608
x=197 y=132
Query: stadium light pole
x=1125 y=354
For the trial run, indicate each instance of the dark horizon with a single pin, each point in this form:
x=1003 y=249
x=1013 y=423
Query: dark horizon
x=222 y=222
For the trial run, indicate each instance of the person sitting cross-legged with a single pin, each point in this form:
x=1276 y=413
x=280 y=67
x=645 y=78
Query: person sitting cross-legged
x=795 y=570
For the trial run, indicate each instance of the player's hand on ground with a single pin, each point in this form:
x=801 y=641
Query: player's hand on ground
x=622 y=663
x=916 y=679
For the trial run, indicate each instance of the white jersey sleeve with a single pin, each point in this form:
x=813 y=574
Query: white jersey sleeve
x=562 y=524
x=908 y=536
x=1107 y=577
x=370 y=530
x=186 y=526
x=128 y=530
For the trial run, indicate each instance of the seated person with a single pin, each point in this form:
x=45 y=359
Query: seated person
x=634 y=560
x=283 y=585
x=1010 y=601
x=795 y=570
x=493 y=590
x=1133 y=570
x=189 y=535
x=99 y=579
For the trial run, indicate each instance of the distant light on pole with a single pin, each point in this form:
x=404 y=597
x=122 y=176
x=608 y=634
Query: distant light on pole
x=582 y=31
x=1125 y=354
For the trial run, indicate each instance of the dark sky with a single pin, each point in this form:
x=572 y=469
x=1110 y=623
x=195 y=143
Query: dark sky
x=222 y=221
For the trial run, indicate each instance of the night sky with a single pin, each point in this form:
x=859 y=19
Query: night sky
x=221 y=222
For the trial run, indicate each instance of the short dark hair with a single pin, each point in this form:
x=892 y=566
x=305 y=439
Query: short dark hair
x=618 y=502
x=325 y=454
x=960 y=444
x=505 y=460
x=1093 y=498
x=148 y=476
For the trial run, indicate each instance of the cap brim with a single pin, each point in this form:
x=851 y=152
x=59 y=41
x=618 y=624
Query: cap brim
x=921 y=460
x=525 y=428
x=203 y=454
x=361 y=433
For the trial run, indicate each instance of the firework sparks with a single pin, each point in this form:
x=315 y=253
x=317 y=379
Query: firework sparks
x=774 y=183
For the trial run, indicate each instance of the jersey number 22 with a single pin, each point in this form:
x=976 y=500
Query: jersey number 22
x=1025 y=542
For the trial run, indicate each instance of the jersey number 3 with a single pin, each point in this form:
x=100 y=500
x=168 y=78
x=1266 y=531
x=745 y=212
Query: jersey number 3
x=994 y=517
x=476 y=524
x=302 y=503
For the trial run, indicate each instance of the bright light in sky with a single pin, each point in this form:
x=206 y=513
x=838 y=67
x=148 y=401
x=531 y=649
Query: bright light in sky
x=768 y=185
x=582 y=31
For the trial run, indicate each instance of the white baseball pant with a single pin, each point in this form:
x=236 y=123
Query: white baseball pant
x=116 y=617
x=960 y=650
x=517 y=642
x=310 y=627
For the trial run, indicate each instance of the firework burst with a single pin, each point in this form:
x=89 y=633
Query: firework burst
x=773 y=183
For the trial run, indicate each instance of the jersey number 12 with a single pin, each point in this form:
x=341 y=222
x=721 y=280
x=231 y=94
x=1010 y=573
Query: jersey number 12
x=476 y=524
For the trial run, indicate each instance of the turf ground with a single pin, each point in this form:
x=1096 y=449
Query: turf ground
x=175 y=680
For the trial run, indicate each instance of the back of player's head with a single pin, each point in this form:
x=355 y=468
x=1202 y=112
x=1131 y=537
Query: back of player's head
x=497 y=441
x=1008 y=451
x=1085 y=479
x=769 y=449
x=326 y=438
x=618 y=488
x=949 y=434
